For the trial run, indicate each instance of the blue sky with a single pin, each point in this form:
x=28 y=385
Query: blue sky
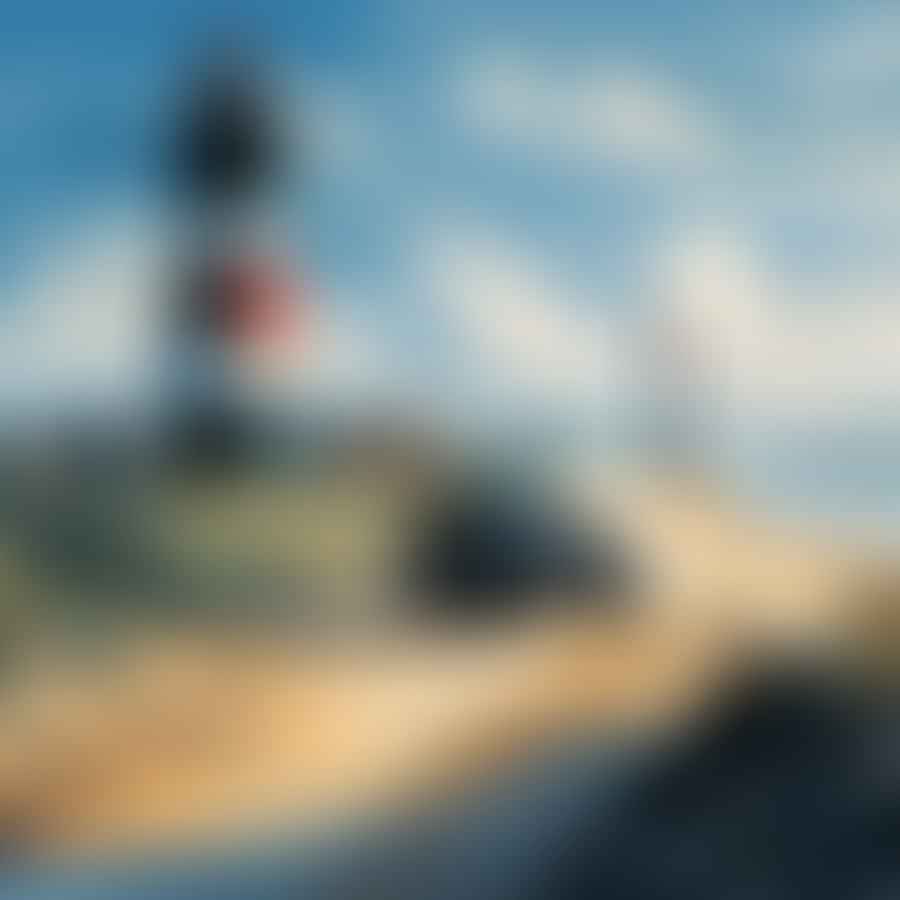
x=500 y=201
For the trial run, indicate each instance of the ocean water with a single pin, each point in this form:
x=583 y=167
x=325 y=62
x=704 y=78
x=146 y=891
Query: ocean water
x=844 y=484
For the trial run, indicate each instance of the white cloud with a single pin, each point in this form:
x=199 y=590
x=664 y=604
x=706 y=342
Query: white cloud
x=585 y=114
x=84 y=328
x=636 y=116
x=852 y=176
x=520 y=324
x=776 y=354
x=847 y=54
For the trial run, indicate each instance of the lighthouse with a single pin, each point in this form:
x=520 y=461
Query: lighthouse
x=234 y=302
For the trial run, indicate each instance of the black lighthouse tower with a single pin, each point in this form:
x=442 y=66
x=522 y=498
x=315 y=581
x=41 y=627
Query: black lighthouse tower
x=227 y=155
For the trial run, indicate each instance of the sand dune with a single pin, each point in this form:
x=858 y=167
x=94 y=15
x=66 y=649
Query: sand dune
x=199 y=735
